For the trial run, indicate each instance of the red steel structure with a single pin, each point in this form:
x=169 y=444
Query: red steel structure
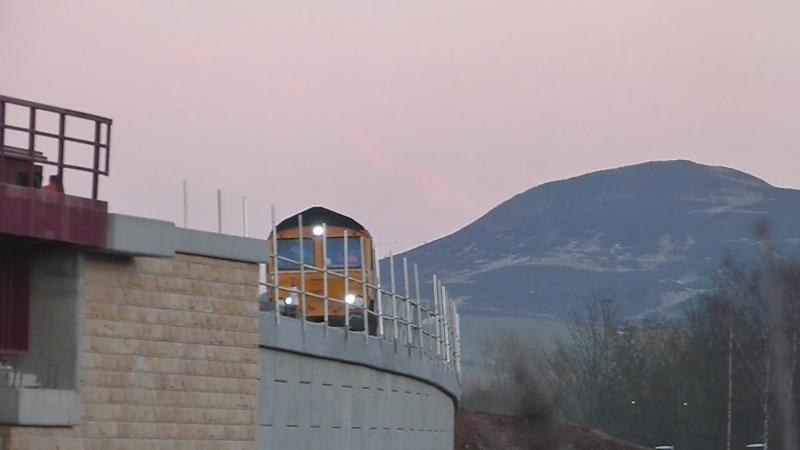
x=33 y=218
x=28 y=211
x=15 y=285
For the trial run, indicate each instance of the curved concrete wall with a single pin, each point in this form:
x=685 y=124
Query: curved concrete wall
x=326 y=389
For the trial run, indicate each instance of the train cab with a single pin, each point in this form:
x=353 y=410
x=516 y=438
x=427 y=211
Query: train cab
x=333 y=283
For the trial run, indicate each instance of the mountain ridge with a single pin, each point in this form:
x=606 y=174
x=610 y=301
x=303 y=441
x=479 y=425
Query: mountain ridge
x=650 y=234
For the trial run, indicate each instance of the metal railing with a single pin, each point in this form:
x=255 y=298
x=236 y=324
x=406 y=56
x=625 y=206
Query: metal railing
x=427 y=325
x=33 y=154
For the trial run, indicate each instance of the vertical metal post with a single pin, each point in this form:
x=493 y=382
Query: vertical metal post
x=62 y=131
x=365 y=311
x=302 y=269
x=443 y=322
x=395 y=329
x=96 y=167
x=451 y=321
x=325 y=275
x=379 y=290
x=409 y=337
x=457 y=324
x=446 y=325
x=436 y=315
x=2 y=140
x=108 y=149
x=275 y=275
x=346 y=287
x=244 y=216
x=185 y=203
x=219 y=211
x=440 y=315
x=452 y=334
x=31 y=145
x=419 y=308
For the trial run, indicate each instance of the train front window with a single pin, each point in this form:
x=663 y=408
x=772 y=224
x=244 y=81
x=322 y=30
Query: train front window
x=290 y=248
x=336 y=252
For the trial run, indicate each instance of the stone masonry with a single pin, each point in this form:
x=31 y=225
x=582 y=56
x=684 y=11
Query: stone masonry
x=169 y=357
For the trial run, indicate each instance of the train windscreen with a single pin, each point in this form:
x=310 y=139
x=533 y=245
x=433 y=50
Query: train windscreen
x=290 y=248
x=336 y=253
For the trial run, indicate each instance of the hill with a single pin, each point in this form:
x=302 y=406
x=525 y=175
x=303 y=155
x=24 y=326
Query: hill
x=651 y=235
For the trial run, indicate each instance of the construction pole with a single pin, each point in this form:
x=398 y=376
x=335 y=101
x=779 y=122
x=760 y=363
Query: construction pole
x=185 y=203
x=275 y=267
x=219 y=211
x=244 y=216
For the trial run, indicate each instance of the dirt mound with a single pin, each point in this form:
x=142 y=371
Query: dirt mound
x=484 y=431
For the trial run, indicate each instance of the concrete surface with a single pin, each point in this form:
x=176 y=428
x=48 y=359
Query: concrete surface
x=55 y=319
x=51 y=365
x=336 y=344
x=327 y=389
x=139 y=236
x=40 y=407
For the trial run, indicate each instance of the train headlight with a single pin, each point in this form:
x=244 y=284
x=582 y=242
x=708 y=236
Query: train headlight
x=318 y=230
x=289 y=300
x=354 y=300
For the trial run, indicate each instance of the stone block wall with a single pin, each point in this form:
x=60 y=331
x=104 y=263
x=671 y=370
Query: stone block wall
x=169 y=357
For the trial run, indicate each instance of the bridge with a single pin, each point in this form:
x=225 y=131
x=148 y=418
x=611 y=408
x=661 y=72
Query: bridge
x=121 y=332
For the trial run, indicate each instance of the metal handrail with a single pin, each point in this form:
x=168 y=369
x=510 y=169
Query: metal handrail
x=102 y=125
x=55 y=109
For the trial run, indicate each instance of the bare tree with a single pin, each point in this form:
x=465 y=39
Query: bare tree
x=780 y=355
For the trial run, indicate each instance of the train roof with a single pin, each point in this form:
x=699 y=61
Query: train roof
x=318 y=215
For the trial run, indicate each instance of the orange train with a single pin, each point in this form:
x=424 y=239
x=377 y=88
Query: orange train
x=323 y=246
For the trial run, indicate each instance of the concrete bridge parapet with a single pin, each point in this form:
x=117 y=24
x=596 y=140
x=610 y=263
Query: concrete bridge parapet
x=358 y=392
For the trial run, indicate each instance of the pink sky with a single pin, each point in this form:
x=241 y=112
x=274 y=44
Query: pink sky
x=415 y=117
